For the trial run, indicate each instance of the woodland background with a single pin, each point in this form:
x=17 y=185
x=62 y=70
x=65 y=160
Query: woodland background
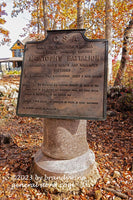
x=111 y=140
x=110 y=19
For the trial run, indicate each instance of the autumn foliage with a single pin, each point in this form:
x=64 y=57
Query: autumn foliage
x=20 y=138
x=110 y=140
x=4 y=34
x=63 y=15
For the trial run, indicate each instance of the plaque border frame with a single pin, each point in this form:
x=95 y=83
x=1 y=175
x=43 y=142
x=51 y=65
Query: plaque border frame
x=82 y=31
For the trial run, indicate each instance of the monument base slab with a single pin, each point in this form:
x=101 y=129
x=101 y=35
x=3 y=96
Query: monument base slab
x=64 y=175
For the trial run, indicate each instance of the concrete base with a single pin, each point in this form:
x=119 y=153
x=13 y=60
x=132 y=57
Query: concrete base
x=65 y=175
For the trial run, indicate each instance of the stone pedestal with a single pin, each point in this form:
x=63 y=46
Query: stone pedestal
x=64 y=157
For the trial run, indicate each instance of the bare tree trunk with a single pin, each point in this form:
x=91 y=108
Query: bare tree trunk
x=108 y=35
x=80 y=19
x=54 y=26
x=38 y=25
x=45 y=17
x=127 y=33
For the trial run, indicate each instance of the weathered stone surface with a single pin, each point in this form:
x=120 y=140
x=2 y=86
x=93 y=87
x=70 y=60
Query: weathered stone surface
x=65 y=153
x=64 y=77
x=75 y=167
x=65 y=175
x=64 y=139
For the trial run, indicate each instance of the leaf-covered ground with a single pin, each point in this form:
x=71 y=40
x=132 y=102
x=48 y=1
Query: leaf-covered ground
x=111 y=141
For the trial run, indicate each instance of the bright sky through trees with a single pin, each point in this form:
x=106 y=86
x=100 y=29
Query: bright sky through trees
x=63 y=15
x=15 y=26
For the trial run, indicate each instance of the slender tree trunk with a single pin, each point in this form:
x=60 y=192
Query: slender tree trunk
x=54 y=26
x=127 y=33
x=38 y=21
x=45 y=17
x=108 y=35
x=80 y=19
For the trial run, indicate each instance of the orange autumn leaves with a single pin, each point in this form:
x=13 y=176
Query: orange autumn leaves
x=4 y=34
x=63 y=15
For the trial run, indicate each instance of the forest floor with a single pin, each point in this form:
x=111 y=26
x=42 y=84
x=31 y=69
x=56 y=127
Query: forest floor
x=110 y=140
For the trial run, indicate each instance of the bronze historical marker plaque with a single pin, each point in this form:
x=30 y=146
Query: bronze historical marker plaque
x=64 y=76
